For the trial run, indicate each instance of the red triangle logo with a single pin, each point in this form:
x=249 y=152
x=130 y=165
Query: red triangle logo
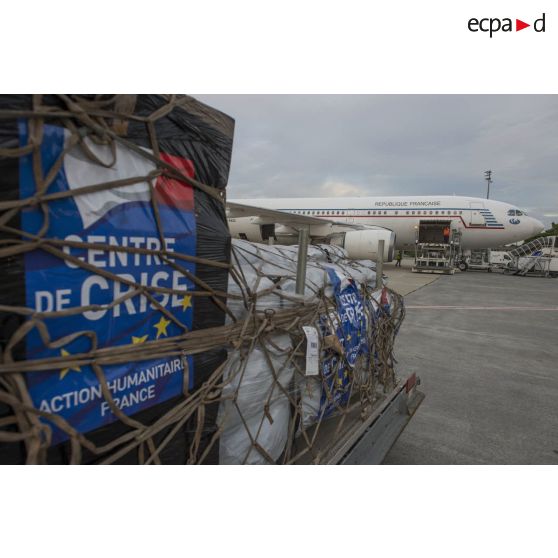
x=519 y=25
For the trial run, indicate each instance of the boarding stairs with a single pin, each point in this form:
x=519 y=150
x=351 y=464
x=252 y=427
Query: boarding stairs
x=532 y=258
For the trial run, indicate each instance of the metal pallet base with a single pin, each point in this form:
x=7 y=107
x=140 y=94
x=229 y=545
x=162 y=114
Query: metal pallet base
x=371 y=441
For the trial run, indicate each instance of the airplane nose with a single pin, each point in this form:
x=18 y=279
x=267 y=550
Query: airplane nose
x=537 y=226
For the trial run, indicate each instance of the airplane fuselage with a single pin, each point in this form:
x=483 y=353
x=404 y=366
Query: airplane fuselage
x=482 y=223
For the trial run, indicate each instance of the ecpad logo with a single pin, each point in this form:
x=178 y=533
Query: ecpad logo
x=493 y=25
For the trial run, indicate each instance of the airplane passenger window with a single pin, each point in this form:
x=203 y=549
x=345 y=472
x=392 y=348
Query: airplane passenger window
x=413 y=212
x=407 y=212
x=369 y=213
x=385 y=212
x=397 y=212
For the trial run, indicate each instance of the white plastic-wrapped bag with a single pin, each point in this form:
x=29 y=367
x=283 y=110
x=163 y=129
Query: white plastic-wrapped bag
x=242 y=295
x=259 y=397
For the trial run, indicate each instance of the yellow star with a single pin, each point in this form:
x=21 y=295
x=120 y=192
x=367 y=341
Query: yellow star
x=64 y=371
x=139 y=340
x=186 y=302
x=162 y=327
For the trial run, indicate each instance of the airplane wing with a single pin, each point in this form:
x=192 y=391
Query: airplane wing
x=266 y=216
x=263 y=216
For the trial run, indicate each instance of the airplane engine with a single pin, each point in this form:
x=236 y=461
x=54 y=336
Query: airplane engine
x=363 y=245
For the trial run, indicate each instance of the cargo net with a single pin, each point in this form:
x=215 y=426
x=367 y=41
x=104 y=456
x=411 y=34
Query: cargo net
x=296 y=372
x=312 y=367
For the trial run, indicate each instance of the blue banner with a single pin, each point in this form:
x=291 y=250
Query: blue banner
x=351 y=331
x=120 y=217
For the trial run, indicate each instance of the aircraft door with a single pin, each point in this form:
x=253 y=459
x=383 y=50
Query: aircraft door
x=268 y=231
x=476 y=217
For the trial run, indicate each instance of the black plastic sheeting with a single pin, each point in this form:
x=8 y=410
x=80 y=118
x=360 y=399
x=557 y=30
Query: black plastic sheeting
x=195 y=132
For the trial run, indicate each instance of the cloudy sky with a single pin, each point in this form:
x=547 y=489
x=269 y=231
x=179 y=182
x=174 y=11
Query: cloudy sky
x=345 y=145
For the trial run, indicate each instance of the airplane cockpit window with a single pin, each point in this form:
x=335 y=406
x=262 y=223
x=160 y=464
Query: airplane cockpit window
x=514 y=212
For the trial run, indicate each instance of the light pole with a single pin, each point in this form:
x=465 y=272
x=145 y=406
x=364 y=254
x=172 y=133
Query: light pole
x=488 y=178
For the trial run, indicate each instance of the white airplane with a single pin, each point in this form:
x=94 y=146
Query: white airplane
x=358 y=224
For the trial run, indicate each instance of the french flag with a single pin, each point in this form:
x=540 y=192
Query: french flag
x=119 y=163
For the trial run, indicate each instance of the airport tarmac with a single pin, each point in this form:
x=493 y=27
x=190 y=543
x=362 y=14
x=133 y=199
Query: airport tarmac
x=402 y=280
x=485 y=347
